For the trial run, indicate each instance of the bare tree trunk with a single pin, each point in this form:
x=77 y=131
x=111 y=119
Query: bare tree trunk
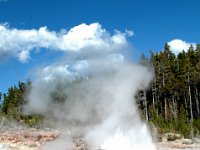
x=186 y=106
x=197 y=100
x=174 y=108
x=145 y=103
x=165 y=99
x=157 y=102
x=190 y=100
x=166 y=115
x=153 y=99
x=2 y=122
x=191 y=111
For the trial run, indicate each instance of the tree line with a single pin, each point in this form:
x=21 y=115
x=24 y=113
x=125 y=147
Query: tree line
x=12 y=106
x=172 y=101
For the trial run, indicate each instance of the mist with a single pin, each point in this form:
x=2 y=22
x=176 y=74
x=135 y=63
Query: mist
x=90 y=94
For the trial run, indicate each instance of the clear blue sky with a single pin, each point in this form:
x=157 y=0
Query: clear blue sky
x=154 y=23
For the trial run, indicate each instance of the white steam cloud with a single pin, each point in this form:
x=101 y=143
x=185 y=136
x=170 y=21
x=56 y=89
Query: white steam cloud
x=90 y=93
x=178 y=45
x=19 y=43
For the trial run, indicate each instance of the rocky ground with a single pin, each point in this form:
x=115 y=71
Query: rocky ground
x=25 y=139
x=177 y=146
x=32 y=139
x=172 y=141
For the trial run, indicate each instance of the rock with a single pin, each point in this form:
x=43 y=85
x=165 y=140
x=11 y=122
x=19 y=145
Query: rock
x=177 y=136
x=33 y=145
x=33 y=129
x=196 y=140
x=171 y=137
x=187 y=141
x=5 y=146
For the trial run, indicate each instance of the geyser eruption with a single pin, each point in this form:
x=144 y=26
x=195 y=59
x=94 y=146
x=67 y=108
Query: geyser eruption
x=90 y=93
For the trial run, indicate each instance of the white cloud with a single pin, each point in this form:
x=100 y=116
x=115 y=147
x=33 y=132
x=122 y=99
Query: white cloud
x=129 y=32
x=19 y=43
x=178 y=45
x=24 y=56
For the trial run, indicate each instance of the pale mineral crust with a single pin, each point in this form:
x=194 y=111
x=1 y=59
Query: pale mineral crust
x=33 y=139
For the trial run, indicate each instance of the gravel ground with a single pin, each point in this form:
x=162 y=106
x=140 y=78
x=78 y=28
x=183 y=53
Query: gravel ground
x=12 y=146
x=31 y=139
x=176 y=146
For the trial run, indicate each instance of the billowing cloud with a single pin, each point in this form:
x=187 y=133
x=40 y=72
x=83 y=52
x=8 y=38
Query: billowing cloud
x=19 y=43
x=178 y=45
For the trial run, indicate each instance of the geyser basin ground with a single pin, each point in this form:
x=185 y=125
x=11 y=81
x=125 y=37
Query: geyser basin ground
x=32 y=139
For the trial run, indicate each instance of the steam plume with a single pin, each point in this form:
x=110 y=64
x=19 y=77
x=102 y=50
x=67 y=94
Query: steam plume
x=97 y=86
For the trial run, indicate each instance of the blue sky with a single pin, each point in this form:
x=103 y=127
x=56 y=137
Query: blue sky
x=154 y=22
